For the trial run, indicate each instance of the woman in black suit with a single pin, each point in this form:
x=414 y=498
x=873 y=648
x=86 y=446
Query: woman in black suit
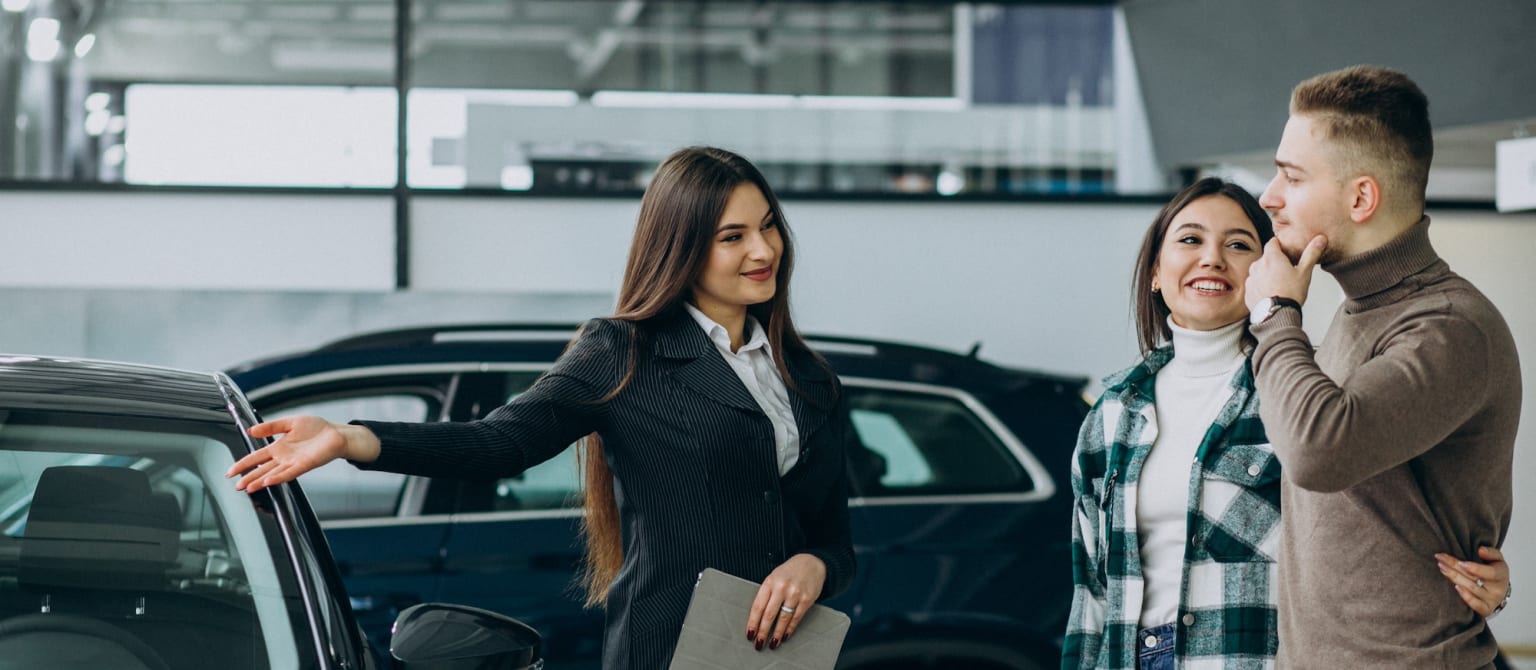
x=714 y=435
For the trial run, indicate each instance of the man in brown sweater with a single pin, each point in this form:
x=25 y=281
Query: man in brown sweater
x=1397 y=434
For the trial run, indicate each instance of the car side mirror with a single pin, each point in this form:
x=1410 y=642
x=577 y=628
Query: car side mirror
x=441 y=636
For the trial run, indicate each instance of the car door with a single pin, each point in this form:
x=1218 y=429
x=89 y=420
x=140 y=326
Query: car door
x=944 y=510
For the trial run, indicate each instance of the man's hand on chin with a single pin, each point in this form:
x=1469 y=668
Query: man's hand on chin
x=1273 y=275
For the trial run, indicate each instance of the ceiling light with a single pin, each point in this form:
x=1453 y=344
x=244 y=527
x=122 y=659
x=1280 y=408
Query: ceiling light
x=98 y=101
x=96 y=122
x=83 y=46
x=949 y=182
x=43 y=40
x=17 y=6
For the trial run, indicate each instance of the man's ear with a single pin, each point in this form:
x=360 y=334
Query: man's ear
x=1364 y=195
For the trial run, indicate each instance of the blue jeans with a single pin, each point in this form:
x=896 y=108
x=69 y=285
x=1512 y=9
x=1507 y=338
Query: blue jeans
x=1154 y=648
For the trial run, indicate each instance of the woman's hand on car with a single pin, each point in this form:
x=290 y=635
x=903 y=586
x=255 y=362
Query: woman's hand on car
x=307 y=442
x=786 y=595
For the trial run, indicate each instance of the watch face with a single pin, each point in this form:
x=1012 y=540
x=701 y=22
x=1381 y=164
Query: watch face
x=1261 y=311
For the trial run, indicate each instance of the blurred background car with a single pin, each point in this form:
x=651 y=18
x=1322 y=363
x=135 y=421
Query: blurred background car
x=125 y=547
x=959 y=497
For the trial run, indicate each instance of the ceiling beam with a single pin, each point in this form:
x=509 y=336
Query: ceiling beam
x=608 y=40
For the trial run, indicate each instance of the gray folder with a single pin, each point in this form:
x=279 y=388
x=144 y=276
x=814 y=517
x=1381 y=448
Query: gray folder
x=714 y=633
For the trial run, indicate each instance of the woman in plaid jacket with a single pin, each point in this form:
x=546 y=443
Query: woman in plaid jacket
x=1177 y=503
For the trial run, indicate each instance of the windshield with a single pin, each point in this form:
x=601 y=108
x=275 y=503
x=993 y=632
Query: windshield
x=123 y=546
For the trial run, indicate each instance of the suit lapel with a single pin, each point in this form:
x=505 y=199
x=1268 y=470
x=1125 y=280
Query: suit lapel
x=812 y=396
x=700 y=366
x=702 y=369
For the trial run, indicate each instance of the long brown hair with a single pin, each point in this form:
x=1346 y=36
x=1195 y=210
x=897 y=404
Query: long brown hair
x=678 y=217
x=1148 y=310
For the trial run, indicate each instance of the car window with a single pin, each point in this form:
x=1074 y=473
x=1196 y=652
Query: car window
x=138 y=528
x=553 y=484
x=338 y=490
x=918 y=443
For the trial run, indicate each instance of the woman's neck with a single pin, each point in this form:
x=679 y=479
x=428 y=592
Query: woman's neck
x=1198 y=353
x=733 y=318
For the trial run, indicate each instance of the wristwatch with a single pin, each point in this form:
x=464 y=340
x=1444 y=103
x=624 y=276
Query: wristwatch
x=1265 y=308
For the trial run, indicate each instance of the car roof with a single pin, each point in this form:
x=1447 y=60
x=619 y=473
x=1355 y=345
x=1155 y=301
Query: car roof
x=543 y=342
x=85 y=385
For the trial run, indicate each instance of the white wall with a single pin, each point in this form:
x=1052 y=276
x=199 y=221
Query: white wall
x=1039 y=285
x=197 y=240
x=1496 y=252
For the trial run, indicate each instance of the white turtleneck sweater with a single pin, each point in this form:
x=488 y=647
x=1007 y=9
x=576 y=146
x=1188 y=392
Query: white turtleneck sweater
x=1191 y=390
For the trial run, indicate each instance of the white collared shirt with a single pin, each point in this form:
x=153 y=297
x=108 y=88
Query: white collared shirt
x=753 y=363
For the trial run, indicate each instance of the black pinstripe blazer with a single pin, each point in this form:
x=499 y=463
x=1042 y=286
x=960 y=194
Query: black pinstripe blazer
x=694 y=466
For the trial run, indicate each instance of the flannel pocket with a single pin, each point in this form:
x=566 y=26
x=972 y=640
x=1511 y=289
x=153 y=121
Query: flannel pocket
x=1240 y=506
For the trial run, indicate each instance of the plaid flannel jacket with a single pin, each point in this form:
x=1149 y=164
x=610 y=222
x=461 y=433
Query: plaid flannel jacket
x=1227 y=610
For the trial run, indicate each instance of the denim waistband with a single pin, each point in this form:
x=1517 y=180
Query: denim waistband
x=1155 y=640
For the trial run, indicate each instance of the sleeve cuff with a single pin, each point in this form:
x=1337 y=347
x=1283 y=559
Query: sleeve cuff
x=1283 y=317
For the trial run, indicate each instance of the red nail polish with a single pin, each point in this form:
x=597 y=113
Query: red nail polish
x=759 y=645
x=774 y=644
x=751 y=634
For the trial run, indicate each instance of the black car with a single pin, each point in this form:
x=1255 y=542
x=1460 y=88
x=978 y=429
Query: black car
x=125 y=547
x=959 y=508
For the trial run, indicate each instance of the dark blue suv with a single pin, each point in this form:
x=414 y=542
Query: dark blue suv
x=959 y=503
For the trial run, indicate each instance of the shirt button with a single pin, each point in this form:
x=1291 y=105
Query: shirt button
x=1189 y=619
x=1151 y=641
x=1253 y=471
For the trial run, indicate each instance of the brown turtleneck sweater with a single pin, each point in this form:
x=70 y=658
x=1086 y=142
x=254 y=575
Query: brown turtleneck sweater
x=1396 y=438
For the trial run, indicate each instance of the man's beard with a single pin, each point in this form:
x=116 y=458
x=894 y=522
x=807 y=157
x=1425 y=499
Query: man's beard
x=1330 y=253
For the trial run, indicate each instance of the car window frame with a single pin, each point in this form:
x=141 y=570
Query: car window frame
x=314 y=571
x=437 y=400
